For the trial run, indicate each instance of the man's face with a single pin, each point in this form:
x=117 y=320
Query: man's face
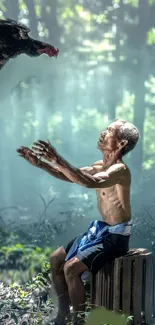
x=108 y=140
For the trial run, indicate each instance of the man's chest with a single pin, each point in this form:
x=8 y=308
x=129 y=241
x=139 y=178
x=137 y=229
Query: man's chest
x=105 y=195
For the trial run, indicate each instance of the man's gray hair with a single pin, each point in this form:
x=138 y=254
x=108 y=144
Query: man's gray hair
x=129 y=132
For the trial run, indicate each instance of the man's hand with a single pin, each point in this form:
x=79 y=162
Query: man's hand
x=29 y=156
x=45 y=150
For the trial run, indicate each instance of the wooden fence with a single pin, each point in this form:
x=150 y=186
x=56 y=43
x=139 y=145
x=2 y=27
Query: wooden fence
x=126 y=284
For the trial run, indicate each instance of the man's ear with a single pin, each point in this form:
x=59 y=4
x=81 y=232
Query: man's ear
x=122 y=144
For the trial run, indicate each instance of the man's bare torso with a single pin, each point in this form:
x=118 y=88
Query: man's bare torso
x=114 y=201
x=114 y=204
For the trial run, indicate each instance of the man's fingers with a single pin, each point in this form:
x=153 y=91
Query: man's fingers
x=43 y=142
x=18 y=150
x=31 y=153
x=43 y=145
x=40 y=149
x=49 y=142
x=37 y=144
x=25 y=149
x=37 y=149
x=22 y=147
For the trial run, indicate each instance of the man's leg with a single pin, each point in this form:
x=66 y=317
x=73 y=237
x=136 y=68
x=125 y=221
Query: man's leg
x=57 y=260
x=72 y=270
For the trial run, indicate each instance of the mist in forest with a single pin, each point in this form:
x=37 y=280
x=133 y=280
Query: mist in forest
x=105 y=70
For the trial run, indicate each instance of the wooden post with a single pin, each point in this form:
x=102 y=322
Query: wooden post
x=149 y=290
x=127 y=278
x=126 y=284
x=117 y=285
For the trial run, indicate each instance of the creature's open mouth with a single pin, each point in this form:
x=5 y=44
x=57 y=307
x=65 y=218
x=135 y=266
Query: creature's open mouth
x=50 y=51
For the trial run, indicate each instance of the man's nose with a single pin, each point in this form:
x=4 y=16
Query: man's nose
x=103 y=133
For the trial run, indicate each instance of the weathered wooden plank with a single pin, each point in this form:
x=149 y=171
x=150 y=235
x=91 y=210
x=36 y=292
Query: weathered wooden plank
x=97 y=300
x=126 y=285
x=108 y=283
x=92 y=289
x=117 y=274
x=137 y=296
x=132 y=283
x=95 y=292
x=103 y=287
x=149 y=289
x=100 y=287
x=111 y=285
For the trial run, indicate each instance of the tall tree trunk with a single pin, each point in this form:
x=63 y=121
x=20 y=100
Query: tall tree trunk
x=12 y=9
x=49 y=18
x=115 y=82
x=139 y=78
x=32 y=17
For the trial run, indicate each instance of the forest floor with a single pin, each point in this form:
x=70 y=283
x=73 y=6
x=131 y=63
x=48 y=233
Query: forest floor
x=32 y=304
x=23 y=305
x=29 y=304
x=26 y=294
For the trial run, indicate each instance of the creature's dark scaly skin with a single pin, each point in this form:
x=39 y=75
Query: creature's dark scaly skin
x=14 y=40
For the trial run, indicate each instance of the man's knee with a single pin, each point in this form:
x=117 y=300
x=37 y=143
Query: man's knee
x=73 y=268
x=57 y=259
x=69 y=269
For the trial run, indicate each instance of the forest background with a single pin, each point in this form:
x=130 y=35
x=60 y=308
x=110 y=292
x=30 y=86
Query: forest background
x=105 y=70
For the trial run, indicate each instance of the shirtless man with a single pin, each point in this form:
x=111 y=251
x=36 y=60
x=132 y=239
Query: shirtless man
x=104 y=239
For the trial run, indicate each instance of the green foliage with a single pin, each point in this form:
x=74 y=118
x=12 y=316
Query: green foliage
x=38 y=8
x=151 y=36
x=87 y=118
x=28 y=259
x=25 y=300
x=134 y=3
x=151 y=2
x=126 y=106
x=22 y=5
x=102 y=316
x=2 y=7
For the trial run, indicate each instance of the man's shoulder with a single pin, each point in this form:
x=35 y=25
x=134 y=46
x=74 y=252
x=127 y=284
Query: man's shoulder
x=121 y=169
x=98 y=163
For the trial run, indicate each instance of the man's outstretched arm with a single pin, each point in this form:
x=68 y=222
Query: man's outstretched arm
x=76 y=175
x=114 y=175
x=54 y=171
x=32 y=158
